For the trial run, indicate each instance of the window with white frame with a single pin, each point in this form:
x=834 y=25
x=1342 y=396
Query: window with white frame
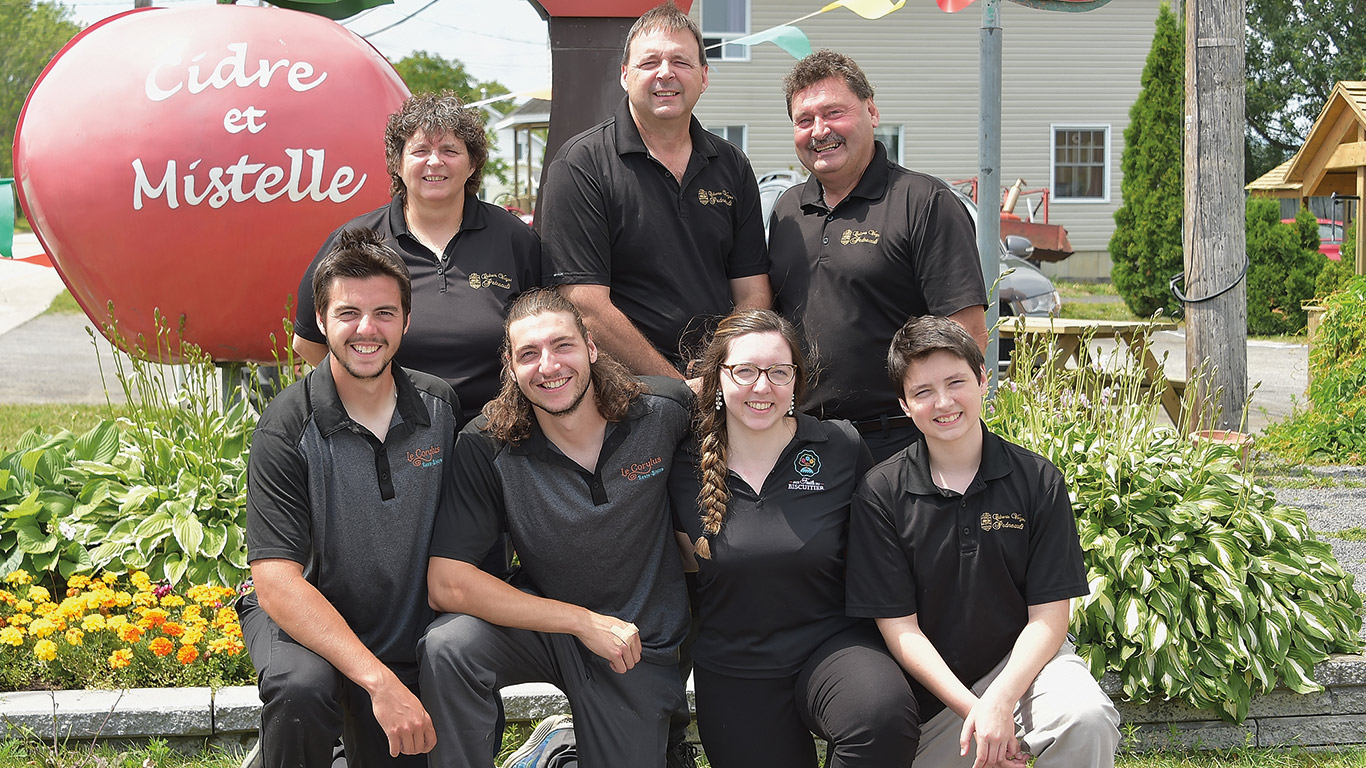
x=1081 y=163
x=890 y=136
x=735 y=134
x=723 y=21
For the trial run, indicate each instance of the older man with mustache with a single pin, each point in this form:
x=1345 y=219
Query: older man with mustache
x=863 y=245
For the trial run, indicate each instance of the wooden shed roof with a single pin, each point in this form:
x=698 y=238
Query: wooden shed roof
x=1332 y=152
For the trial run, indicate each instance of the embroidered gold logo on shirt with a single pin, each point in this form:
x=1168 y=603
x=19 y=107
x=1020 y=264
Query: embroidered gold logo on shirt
x=1013 y=521
x=715 y=198
x=853 y=236
x=494 y=279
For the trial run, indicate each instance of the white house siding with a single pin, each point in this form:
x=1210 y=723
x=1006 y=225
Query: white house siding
x=1058 y=69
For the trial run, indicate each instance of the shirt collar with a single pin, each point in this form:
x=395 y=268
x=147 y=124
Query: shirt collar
x=809 y=429
x=629 y=140
x=330 y=413
x=471 y=218
x=872 y=185
x=538 y=445
x=915 y=471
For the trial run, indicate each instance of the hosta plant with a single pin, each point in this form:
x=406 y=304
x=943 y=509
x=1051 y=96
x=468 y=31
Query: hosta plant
x=1203 y=588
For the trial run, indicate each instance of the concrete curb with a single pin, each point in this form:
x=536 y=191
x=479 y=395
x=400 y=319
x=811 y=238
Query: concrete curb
x=189 y=718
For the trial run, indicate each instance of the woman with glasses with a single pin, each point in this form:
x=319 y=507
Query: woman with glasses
x=767 y=505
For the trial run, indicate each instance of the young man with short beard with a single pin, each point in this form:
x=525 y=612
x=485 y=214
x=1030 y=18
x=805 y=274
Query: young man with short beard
x=571 y=458
x=348 y=469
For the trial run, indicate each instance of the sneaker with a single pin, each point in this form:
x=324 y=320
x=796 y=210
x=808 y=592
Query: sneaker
x=681 y=755
x=549 y=734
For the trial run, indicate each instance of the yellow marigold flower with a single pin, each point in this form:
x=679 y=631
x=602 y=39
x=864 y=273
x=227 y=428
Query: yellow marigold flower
x=78 y=581
x=72 y=607
x=191 y=613
x=172 y=601
x=130 y=633
x=39 y=594
x=23 y=606
x=173 y=629
x=75 y=636
x=42 y=627
x=145 y=599
x=12 y=636
x=19 y=577
x=141 y=580
x=187 y=655
x=161 y=646
x=109 y=578
x=46 y=609
x=7 y=597
x=225 y=616
x=93 y=623
x=231 y=630
x=20 y=619
x=192 y=635
x=114 y=622
x=45 y=650
x=123 y=599
x=120 y=658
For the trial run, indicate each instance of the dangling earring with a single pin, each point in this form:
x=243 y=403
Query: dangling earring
x=720 y=400
x=792 y=409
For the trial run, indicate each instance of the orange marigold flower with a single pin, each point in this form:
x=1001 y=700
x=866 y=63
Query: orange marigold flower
x=93 y=623
x=120 y=658
x=45 y=650
x=187 y=655
x=173 y=629
x=12 y=636
x=7 y=597
x=130 y=633
x=161 y=646
x=74 y=636
x=42 y=627
x=157 y=616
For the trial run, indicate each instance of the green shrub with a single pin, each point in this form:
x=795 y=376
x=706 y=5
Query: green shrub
x=1145 y=249
x=1333 y=276
x=1281 y=272
x=1332 y=426
x=1203 y=588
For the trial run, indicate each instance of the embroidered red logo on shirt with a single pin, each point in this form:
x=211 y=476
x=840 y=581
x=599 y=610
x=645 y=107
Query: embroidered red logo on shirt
x=644 y=469
x=425 y=457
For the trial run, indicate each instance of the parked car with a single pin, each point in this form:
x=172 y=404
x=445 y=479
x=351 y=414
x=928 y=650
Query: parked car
x=1330 y=237
x=1023 y=289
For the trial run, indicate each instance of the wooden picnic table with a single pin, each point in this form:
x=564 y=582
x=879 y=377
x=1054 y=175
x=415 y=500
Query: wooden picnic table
x=1068 y=335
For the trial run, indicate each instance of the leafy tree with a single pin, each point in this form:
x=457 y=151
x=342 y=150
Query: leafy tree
x=31 y=33
x=1296 y=51
x=425 y=72
x=1146 y=245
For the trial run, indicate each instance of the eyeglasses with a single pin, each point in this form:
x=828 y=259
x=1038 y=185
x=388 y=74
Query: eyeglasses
x=745 y=374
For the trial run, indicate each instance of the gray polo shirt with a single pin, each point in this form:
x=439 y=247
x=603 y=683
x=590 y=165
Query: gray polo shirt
x=354 y=511
x=601 y=539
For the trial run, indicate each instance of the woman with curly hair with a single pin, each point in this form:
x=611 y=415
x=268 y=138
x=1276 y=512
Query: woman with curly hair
x=768 y=509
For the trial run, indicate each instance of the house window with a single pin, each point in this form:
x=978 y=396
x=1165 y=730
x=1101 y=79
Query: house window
x=1081 y=163
x=735 y=134
x=723 y=21
x=890 y=136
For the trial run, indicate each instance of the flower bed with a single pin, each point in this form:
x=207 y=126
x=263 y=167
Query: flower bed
x=118 y=631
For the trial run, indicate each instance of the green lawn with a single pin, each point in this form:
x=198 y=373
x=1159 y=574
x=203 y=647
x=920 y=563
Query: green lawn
x=63 y=304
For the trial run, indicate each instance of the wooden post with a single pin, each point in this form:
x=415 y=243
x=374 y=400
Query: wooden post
x=1360 y=256
x=1215 y=237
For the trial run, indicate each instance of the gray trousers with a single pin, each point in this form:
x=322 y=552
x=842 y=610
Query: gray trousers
x=1064 y=719
x=619 y=719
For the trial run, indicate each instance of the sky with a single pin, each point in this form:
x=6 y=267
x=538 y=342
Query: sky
x=502 y=40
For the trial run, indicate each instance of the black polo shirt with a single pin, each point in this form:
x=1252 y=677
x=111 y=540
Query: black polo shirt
x=901 y=245
x=968 y=566
x=601 y=539
x=773 y=590
x=610 y=214
x=456 y=329
x=356 y=512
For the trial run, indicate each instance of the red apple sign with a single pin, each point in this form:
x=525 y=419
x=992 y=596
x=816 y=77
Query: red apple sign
x=193 y=160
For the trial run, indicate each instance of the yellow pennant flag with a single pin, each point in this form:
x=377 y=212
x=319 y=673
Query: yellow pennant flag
x=868 y=9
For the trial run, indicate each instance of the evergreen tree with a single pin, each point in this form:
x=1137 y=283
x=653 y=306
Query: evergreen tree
x=1146 y=246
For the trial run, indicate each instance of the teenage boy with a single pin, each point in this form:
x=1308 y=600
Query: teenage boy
x=964 y=549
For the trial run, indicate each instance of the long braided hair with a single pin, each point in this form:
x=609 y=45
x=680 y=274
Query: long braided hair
x=709 y=423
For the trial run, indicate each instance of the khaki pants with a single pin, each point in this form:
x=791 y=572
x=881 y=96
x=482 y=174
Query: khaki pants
x=1064 y=719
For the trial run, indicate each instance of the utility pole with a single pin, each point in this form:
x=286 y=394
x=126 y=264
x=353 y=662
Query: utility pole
x=989 y=168
x=1215 y=235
